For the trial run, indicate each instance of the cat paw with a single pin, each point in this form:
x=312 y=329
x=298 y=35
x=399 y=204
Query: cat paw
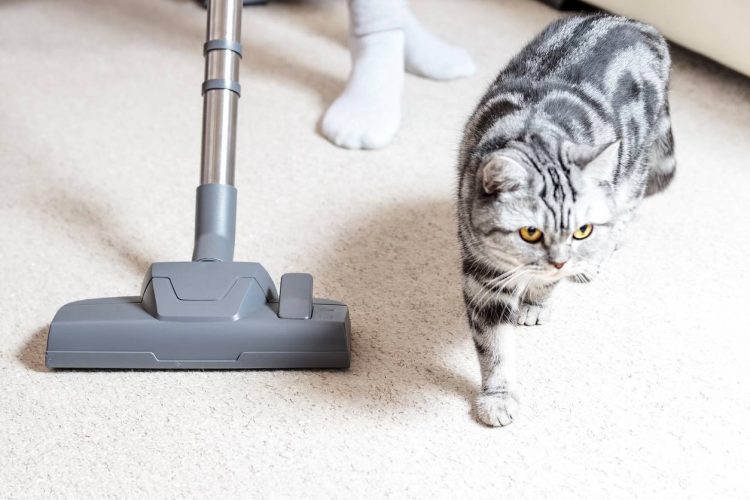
x=530 y=315
x=497 y=409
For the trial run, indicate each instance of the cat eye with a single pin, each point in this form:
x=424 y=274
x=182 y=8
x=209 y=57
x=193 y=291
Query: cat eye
x=583 y=232
x=530 y=234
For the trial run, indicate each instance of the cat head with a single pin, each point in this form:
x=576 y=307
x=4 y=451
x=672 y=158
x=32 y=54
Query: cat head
x=548 y=213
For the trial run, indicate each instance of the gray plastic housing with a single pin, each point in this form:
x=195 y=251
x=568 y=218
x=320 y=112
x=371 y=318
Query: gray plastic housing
x=297 y=293
x=215 y=222
x=203 y=315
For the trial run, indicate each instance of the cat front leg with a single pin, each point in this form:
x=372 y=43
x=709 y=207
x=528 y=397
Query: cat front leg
x=494 y=334
x=535 y=307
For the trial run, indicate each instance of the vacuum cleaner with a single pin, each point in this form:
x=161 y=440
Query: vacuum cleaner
x=210 y=313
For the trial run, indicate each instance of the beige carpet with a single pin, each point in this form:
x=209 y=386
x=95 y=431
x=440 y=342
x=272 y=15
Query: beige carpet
x=639 y=386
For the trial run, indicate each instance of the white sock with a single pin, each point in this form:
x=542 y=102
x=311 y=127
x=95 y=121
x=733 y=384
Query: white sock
x=428 y=56
x=367 y=114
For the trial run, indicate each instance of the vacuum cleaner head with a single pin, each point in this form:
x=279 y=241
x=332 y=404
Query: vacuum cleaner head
x=212 y=312
x=204 y=315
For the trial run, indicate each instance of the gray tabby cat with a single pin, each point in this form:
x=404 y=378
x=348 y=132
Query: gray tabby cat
x=568 y=140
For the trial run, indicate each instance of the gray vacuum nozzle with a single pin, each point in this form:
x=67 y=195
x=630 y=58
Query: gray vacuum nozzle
x=207 y=315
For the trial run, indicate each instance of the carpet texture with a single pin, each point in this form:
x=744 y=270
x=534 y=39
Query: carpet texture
x=639 y=385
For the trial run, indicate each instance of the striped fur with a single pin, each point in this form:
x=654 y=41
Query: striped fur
x=574 y=131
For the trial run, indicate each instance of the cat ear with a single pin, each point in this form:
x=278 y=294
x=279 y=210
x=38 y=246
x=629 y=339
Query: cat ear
x=598 y=162
x=501 y=173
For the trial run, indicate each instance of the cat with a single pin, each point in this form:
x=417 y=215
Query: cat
x=558 y=154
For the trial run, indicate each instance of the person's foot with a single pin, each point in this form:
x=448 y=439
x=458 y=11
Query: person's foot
x=366 y=115
x=428 y=56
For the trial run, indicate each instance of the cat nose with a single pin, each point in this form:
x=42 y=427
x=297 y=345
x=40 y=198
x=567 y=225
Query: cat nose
x=558 y=265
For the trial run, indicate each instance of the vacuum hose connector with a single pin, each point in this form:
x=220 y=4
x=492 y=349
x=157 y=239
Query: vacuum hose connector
x=215 y=219
x=217 y=198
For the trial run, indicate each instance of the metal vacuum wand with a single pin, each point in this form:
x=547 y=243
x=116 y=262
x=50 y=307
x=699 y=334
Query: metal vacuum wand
x=216 y=202
x=221 y=91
